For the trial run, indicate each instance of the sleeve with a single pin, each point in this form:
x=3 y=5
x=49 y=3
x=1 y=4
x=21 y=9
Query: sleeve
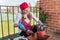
x=18 y=18
x=34 y=17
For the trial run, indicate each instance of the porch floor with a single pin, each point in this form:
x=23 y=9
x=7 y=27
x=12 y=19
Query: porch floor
x=53 y=36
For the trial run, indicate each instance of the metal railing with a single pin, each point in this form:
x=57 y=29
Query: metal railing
x=7 y=15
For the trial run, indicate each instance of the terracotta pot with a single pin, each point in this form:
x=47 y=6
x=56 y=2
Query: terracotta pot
x=41 y=33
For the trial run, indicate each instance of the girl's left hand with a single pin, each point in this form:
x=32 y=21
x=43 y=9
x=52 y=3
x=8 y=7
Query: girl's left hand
x=29 y=31
x=40 y=23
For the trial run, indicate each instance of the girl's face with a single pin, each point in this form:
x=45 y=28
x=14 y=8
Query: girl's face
x=26 y=11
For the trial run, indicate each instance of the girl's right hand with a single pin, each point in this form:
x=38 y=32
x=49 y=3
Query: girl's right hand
x=15 y=25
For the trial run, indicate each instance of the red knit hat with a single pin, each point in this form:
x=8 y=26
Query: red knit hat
x=23 y=6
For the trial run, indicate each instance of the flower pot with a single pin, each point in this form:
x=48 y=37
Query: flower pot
x=43 y=20
x=41 y=33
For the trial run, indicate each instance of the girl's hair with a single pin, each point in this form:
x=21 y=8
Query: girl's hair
x=29 y=16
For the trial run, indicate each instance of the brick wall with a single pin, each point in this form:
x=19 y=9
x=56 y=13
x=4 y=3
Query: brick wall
x=52 y=7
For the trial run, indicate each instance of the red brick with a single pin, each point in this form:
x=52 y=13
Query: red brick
x=53 y=10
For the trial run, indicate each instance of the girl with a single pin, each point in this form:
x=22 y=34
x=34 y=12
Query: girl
x=23 y=20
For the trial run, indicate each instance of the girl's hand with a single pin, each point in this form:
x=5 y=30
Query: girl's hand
x=15 y=25
x=29 y=31
x=40 y=23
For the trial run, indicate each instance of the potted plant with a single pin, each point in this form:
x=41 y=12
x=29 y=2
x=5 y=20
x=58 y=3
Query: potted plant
x=43 y=17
